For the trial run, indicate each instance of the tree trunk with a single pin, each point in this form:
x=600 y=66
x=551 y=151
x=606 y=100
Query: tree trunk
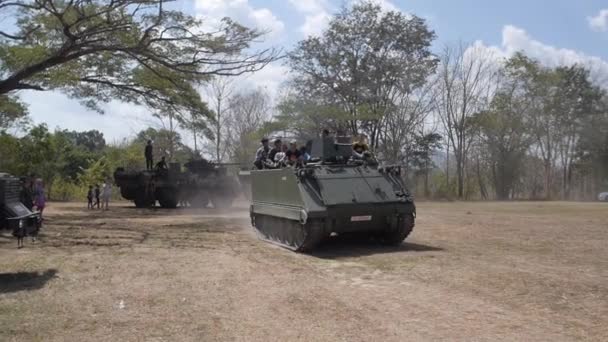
x=547 y=176
x=195 y=145
x=426 y=179
x=482 y=187
x=218 y=130
x=460 y=175
x=447 y=168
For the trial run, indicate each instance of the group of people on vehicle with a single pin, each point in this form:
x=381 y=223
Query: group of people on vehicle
x=280 y=154
x=149 y=155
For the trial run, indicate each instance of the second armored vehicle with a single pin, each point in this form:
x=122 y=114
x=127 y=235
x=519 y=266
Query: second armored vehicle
x=201 y=183
x=299 y=207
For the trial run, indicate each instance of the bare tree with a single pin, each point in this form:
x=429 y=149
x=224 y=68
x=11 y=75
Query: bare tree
x=219 y=91
x=248 y=113
x=464 y=87
x=400 y=125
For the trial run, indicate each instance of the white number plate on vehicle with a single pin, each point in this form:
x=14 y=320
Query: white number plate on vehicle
x=360 y=218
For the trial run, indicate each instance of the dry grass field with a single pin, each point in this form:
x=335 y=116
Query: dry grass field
x=470 y=271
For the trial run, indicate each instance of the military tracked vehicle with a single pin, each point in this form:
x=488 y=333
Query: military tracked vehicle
x=15 y=215
x=201 y=183
x=298 y=207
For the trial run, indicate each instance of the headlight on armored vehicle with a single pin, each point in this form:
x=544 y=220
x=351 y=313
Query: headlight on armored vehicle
x=21 y=224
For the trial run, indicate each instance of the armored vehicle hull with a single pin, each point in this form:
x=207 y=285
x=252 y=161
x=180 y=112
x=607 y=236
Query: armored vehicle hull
x=201 y=184
x=299 y=207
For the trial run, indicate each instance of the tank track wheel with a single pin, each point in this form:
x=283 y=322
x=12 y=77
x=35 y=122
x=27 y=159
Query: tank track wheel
x=167 y=198
x=289 y=234
x=400 y=228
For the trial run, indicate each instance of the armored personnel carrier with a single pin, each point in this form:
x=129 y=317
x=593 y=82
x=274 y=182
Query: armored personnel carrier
x=13 y=214
x=298 y=207
x=201 y=183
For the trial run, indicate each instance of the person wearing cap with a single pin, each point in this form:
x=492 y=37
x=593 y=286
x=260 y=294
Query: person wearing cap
x=262 y=154
x=358 y=150
x=276 y=149
x=293 y=154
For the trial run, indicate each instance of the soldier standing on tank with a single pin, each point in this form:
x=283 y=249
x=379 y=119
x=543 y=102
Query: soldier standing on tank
x=148 y=153
x=261 y=155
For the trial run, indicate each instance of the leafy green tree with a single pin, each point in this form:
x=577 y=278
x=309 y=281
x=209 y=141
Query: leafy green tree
x=167 y=144
x=92 y=141
x=305 y=118
x=12 y=112
x=11 y=160
x=575 y=101
x=136 y=51
x=362 y=61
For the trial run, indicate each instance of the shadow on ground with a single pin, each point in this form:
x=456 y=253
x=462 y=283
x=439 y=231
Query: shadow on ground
x=344 y=247
x=25 y=281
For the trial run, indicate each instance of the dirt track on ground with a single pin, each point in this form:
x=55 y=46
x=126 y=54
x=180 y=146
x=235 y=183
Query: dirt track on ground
x=470 y=271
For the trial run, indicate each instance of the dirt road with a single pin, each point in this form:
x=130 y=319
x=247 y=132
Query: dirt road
x=470 y=271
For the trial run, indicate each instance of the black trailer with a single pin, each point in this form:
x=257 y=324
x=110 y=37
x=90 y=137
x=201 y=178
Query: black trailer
x=14 y=215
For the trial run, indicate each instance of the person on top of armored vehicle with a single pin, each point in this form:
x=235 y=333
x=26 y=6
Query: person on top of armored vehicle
x=149 y=155
x=361 y=152
x=278 y=145
x=261 y=154
x=304 y=155
x=293 y=154
x=162 y=164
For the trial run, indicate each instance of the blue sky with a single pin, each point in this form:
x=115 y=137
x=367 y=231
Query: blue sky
x=555 y=32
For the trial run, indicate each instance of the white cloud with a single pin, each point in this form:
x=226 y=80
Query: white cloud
x=309 y=6
x=269 y=78
x=515 y=39
x=241 y=11
x=599 y=22
x=315 y=24
x=386 y=5
x=316 y=16
x=317 y=13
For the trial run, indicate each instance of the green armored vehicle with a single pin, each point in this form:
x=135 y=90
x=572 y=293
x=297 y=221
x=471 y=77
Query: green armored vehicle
x=332 y=193
x=201 y=183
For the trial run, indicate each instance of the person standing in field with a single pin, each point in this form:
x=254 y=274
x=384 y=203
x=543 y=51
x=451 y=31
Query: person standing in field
x=39 y=196
x=106 y=194
x=26 y=195
x=97 y=195
x=90 y=195
x=149 y=154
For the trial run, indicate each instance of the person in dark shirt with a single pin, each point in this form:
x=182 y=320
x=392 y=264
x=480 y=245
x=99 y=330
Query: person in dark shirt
x=261 y=154
x=293 y=154
x=276 y=149
x=148 y=153
x=162 y=164
x=26 y=196
x=304 y=154
x=97 y=195
x=90 y=195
